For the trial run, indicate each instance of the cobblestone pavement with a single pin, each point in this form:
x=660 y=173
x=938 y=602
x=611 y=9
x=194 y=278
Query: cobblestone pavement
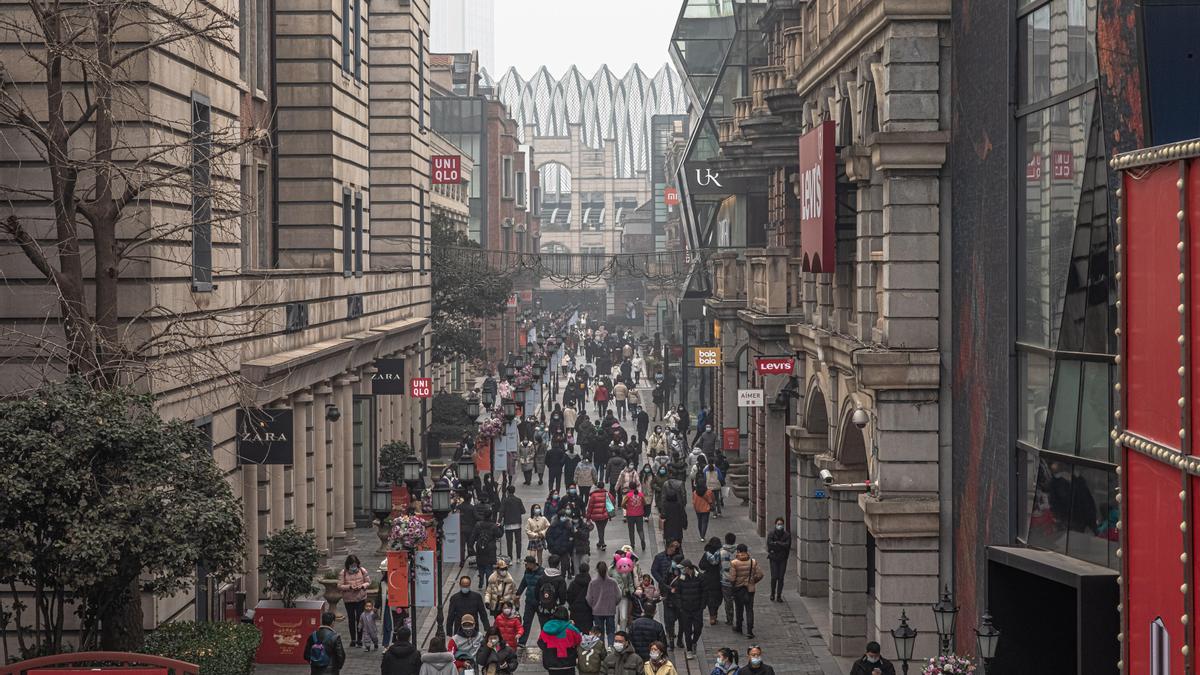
x=788 y=636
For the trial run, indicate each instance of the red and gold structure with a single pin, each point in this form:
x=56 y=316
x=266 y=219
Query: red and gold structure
x=1156 y=418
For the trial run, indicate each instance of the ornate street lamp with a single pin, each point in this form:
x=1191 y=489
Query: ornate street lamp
x=944 y=612
x=520 y=397
x=530 y=348
x=441 y=498
x=508 y=371
x=988 y=637
x=510 y=408
x=518 y=362
x=905 y=638
x=466 y=470
x=489 y=399
x=412 y=470
x=472 y=406
x=381 y=506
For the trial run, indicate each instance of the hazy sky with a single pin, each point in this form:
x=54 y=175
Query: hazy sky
x=586 y=33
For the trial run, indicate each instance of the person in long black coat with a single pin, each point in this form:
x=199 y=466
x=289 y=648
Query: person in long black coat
x=710 y=574
x=581 y=611
x=688 y=590
x=402 y=657
x=674 y=514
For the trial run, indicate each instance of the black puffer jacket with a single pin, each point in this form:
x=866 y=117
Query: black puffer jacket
x=644 y=631
x=558 y=538
x=689 y=592
x=402 y=658
x=581 y=611
x=779 y=544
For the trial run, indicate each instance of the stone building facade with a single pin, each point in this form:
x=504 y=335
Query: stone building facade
x=324 y=273
x=859 y=304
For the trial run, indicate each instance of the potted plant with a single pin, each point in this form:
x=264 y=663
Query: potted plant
x=287 y=620
x=391 y=467
x=333 y=594
x=949 y=664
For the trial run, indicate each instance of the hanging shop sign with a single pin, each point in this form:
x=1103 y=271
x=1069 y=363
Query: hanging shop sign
x=775 y=365
x=421 y=387
x=708 y=357
x=750 y=398
x=818 y=205
x=452 y=539
x=388 y=378
x=512 y=300
x=264 y=436
x=447 y=169
x=671 y=196
x=426 y=593
x=704 y=178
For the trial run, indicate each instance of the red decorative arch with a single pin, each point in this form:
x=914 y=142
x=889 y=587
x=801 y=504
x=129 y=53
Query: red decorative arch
x=131 y=664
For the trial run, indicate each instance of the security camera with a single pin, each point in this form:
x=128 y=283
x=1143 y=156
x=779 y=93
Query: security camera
x=826 y=476
x=859 y=418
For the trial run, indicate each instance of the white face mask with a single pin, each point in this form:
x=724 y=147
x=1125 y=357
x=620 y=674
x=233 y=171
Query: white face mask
x=619 y=646
x=756 y=660
x=655 y=655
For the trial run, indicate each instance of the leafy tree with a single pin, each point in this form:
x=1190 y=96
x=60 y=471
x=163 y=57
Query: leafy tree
x=101 y=499
x=450 y=419
x=391 y=461
x=290 y=564
x=466 y=290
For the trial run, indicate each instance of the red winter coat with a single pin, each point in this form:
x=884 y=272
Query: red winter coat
x=596 y=510
x=510 y=628
x=601 y=393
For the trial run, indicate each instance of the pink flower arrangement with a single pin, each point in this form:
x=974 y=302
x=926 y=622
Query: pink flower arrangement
x=503 y=390
x=948 y=664
x=407 y=532
x=491 y=427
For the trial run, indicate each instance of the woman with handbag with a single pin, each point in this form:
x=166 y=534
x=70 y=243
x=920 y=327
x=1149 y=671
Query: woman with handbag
x=601 y=507
x=744 y=575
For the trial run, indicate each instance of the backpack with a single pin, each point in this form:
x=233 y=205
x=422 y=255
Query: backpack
x=317 y=656
x=547 y=597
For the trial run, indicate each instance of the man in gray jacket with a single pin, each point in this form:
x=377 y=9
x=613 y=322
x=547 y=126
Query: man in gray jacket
x=622 y=659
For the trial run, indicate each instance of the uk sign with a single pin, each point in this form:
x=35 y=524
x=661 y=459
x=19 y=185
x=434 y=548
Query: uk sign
x=447 y=169
x=421 y=387
x=775 y=365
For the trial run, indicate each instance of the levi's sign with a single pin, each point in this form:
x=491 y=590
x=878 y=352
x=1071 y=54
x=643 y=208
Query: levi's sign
x=447 y=169
x=818 y=208
x=775 y=365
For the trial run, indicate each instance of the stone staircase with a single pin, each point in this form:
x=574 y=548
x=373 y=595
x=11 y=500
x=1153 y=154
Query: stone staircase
x=738 y=478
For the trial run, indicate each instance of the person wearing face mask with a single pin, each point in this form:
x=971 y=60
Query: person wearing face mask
x=571 y=464
x=688 y=590
x=556 y=459
x=509 y=625
x=710 y=568
x=465 y=603
x=559 y=642
x=354 y=581
x=755 y=665
x=622 y=659
x=540 y=446
x=744 y=575
x=872 y=662
x=779 y=549
x=592 y=651
x=708 y=441
x=500 y=588
x=559 y=538
x=574 y=501
x=658 y=663
x=465 y=642
x=495 y=656
x=656 y=444
x=726 y=662
x=528 y=587
x=535 y=529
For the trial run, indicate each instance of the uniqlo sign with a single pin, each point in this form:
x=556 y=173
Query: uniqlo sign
x=671 y=197
x=818 y=206
x=447 y=169
x=1062 y=163
x=421 y=387
x=775 y=365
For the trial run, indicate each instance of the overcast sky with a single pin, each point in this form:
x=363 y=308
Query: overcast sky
x=586 y=33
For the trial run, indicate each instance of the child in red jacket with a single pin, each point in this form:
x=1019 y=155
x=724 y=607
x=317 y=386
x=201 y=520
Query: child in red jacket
x=508 y=622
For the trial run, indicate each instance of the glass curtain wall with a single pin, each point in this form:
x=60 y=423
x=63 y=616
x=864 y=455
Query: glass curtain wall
x=1065 y=292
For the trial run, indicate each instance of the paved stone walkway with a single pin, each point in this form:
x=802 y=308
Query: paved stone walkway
x=788 y=636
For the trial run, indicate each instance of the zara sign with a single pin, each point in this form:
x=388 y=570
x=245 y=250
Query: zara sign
x=388 y=379
x=264 y=436
x=818 y=206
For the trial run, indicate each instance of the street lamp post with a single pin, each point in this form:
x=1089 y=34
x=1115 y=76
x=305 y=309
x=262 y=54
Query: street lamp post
x=440 y=498
x=905 y=638
x=988 y=638
x=381 y=507
x=944 y=612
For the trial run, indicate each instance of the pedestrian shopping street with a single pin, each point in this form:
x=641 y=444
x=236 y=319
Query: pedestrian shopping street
x=791 y=642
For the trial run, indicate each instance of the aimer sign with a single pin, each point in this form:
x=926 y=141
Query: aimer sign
x=446 y=169
x=708 y=357
x=750 y=398
x=775 y=365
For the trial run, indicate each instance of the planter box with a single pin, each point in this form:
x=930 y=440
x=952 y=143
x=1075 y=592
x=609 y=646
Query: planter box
x=285 y=630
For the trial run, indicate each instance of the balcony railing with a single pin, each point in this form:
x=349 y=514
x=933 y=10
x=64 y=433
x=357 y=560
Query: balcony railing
x=727 y=130
x=741 y=111
x=793 y=39
x=773 y=283
x=763 y=80
x=729 y=276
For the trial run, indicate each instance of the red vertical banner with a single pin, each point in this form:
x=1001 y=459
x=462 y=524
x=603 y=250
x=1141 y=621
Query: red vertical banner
x=729 y=438
x=818 y=202
x=397 y=567
x=399 y=496
x=430 y=542
x=483 y=455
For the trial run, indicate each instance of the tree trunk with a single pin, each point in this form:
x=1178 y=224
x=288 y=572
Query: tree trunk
x=121 y=627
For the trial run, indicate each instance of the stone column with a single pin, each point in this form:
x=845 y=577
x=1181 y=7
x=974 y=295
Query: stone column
x=337 y=458
x=302 y=472
x=812 y=514
x=847 y=573
x=776 y=469
x=276 y=474
x=726 y=405
x=250 y=515
x=321 y=395
x=347 y=405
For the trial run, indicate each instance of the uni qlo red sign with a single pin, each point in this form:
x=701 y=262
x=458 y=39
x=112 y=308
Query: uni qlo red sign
x=671 y=196
x=1159 y=293
x=1062 y=164
x=421 y=387
x=447 y=169
x=729 y=438
x=775 y=365
x=818 y=206
x=1033 y=169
